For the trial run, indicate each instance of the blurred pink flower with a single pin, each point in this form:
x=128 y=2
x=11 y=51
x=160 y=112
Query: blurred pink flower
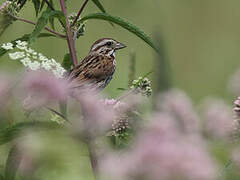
x=96 y=116
x=41 y=88
x=218 y=118
x=162 y=152
x=179 y=105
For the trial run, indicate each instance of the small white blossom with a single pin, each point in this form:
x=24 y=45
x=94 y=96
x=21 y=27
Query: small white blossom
x=31 y=51
x=34 y=65
x=17 y=55
x=26 y=61
x=45 y=65
x=7 y=46
x=21 y=43
x=42 y=57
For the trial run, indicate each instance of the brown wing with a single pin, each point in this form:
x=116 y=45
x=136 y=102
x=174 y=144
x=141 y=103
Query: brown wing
x=91 y=70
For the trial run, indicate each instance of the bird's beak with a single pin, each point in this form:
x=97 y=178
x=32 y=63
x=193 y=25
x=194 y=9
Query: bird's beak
x=120 y=46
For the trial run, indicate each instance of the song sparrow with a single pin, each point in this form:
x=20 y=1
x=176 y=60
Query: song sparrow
x=97 y=68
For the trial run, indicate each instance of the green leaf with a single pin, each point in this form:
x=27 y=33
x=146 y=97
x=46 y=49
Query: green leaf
x=12 y=163
x=67 y=62
x=42 y=22
x=24 y=38
x=51 y=19
x=99 y=5
x=36 y=4
x=123 y=23
x=42 y=5
x=14 y=131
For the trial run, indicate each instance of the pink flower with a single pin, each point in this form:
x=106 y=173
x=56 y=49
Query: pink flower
x=178 y=104
x=41 y=88
x=218 y=119
x=162 y=152
x=97 y=118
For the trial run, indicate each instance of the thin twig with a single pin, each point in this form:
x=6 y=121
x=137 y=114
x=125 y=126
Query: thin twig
x=79 y=12
x=126 y=95
x=70 y=40
x=46 y=28
x=93 y=158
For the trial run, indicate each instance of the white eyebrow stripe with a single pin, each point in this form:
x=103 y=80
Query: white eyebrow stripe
x=99 y=44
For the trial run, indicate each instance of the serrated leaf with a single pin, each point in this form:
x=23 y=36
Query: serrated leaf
x=99 y=5
x=24 y=38
x=42 y=22
x=14 y=131
x=12 y=163
x=123 y=23
x=36 y=4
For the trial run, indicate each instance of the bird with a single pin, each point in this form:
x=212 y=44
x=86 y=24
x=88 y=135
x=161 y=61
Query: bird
x=96 y=70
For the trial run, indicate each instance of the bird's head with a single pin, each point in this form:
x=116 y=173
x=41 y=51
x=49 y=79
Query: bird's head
x=106 y=46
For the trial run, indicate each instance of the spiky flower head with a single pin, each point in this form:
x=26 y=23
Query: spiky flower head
x=10 y=8
x=120 y=126
x=142 y=85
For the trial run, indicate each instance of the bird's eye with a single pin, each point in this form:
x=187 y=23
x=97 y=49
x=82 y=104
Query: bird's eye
x=109 y=43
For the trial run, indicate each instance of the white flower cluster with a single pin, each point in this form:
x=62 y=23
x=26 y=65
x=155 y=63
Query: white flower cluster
x=33 y=60
x=7 y=46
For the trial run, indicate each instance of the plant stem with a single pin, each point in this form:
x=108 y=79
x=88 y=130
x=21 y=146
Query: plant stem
x=79 y=12
x=70 y=40
x=132 y=91
x=59 y=114
x=46 y=28
x=93 y=158
x=13 y=162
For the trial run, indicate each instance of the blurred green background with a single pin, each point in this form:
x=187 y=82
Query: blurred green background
x=201 y=37
x=202 y=42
